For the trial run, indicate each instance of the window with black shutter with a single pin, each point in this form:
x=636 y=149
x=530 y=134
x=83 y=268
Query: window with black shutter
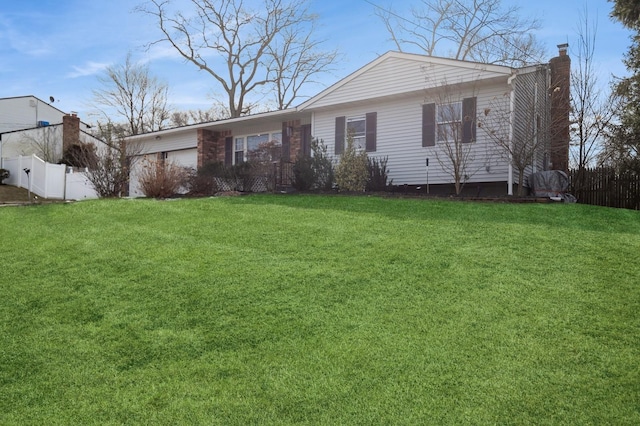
x=362 y=128
x=449 y=122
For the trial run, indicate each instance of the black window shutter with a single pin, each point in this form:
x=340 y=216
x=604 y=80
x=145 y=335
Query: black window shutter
x=341 y=123
x=370 y=135
x=306 y=139
x=286 y=141
x=228 y=151
x=468 y=120
x=429 y=125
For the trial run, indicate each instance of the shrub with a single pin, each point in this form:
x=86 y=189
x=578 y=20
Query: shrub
x=162 y=179
x=352 y=173
x=215 y=177
x=4 y=174
x=303 y=173
x=378 y=174
x=80 y=155
x=321 y=163
x=202 y=181
x=315 y=171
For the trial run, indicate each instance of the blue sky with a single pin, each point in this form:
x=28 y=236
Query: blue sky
x=58 y=48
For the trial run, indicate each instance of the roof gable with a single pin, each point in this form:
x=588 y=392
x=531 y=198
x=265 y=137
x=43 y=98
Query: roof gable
x=396 y=73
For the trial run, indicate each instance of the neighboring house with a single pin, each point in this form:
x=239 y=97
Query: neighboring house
x=29 y=126
x=406 y=108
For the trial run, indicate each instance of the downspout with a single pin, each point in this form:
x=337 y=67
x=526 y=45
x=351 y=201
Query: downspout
x=1 y=158
x=512 y=109
x=535 y=127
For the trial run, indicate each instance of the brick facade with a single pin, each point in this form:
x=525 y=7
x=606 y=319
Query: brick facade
x=211 y=146
x=560 y=68
x=293 y=131
x=70 y=131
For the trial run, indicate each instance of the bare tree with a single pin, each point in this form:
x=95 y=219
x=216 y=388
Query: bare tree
x=473 y=30
x=236 y=46
x=185 y=118
x=47 y=143
x=108 y=165
x=455 y=156
x=454 y=135
x=520 y=134
x=129 y=92
x=591 y=109
x=296 y=59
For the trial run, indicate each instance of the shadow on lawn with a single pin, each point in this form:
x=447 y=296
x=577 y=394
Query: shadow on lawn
x=553 y=215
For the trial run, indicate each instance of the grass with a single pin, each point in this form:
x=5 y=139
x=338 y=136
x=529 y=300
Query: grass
x=319 y=310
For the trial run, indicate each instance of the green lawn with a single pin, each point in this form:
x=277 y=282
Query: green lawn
x=319 y=310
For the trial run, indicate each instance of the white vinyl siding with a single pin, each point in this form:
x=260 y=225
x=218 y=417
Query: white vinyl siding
x=399 y=137
x=24 y=112
x=418 y=73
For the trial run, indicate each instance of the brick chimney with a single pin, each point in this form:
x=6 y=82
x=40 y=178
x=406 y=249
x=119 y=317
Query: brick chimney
x=70 y=131
x=560 y=68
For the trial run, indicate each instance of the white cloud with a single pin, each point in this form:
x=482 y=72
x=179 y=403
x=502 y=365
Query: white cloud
x=90 y=68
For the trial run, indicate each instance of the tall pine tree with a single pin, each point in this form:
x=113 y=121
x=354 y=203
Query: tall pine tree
x=623 y=148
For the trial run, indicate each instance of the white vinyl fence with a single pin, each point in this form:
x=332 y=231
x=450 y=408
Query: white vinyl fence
x=47 y=180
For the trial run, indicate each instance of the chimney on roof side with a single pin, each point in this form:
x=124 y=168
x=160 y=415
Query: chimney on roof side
x=70 y=131
x=562 y=49
x=560 y=70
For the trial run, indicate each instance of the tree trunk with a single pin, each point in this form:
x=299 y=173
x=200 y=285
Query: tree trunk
x=520 y=182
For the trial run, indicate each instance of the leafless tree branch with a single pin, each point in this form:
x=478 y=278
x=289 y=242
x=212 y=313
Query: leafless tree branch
x=474 y=30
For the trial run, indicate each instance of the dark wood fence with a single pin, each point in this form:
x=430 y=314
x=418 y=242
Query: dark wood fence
x=605 y=187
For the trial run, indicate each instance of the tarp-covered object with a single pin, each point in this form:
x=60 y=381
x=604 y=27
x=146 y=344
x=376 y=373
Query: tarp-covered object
x=552 y=184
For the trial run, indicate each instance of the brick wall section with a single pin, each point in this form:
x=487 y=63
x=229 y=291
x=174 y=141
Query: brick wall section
x=70 y=131
x=560 y=68
x=295 y=141
x=211 y=146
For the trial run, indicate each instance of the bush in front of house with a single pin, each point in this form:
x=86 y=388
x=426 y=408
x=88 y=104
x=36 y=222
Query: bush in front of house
x=314 y=171
x=378 y=174
x=4 y=174
x=216 y=177
x=162 y=179
x=352 y=172
x=202 y=182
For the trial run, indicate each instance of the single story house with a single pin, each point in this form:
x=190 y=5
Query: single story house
x=421 y=113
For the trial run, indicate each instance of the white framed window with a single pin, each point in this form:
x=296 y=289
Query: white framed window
x=261 y=147
x=238 y=151
x=449 y=122
x=357 y=127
